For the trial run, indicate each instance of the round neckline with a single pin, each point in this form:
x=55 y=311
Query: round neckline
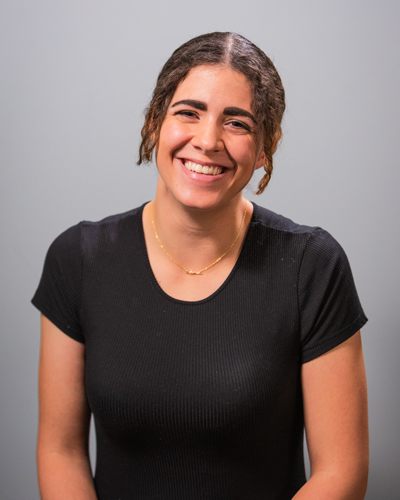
x=223 y=285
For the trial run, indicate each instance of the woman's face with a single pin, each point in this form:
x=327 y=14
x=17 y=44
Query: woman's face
x=207 y=149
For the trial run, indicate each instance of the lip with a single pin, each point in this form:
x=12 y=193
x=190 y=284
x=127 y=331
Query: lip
x=201 y=177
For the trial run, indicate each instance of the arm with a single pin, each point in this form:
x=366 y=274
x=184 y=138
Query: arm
x=336 y=422
x=62 y=450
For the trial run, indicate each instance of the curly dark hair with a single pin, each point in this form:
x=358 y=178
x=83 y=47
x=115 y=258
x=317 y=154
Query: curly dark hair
x=221 y=48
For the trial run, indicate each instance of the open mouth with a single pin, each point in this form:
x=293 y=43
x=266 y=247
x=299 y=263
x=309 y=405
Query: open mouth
x=202 y=169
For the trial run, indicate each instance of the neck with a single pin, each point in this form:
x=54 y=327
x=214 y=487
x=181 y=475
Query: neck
x=195 y=236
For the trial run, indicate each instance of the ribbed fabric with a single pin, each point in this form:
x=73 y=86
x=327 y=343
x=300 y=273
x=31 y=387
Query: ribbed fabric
x=199 y=400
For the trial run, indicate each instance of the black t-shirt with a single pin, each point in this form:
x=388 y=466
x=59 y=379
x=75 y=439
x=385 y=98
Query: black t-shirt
x=199 y=400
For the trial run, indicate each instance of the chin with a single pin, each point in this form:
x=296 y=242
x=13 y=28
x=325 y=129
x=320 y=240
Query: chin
x=199 y=201
x=199 y=205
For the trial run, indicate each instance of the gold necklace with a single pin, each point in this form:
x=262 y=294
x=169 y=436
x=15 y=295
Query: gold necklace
x=196 y=273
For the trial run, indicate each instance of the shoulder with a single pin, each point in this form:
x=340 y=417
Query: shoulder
x=315 y=250
x=86 y=234
x=308 y=239
x=276 y=222
x=115 y=219
x=113 y=222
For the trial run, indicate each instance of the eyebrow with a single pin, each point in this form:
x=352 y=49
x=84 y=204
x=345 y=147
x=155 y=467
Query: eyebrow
x=202 y=106
x=239 y=112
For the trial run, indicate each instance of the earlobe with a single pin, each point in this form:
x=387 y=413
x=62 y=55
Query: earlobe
x=261 y=161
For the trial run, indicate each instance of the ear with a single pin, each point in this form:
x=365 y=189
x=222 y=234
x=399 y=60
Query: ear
x=260 y=160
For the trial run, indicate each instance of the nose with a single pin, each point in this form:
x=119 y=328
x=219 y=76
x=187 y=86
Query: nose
x=208 y=137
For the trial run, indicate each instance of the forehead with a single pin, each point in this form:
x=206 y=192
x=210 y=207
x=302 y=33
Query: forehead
x=219 y=85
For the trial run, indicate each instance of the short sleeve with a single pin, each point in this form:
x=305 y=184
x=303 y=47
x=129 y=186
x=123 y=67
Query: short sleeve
x=58 y=295
x=330 y=310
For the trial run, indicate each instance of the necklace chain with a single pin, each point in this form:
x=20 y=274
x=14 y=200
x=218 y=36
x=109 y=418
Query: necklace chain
x=196 y=273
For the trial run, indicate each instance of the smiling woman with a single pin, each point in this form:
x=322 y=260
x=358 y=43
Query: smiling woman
x=207 y=148
x=203 y=332
x=224 y=50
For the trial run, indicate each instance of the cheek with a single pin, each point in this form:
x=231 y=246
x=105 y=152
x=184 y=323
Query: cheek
x=243 y=151
x=172 y=136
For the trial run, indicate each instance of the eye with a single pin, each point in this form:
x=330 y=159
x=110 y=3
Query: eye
x=239 y=125
x=186 y=113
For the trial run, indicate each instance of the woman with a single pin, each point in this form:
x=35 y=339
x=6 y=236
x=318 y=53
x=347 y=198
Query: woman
x=202 y=331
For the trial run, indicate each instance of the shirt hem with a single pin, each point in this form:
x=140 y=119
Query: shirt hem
x=65 y=328
x=332 y=342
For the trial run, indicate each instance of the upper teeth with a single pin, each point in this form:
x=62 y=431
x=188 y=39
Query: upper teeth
x=202 y=169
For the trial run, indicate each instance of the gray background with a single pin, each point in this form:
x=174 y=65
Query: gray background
x=75 y=78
